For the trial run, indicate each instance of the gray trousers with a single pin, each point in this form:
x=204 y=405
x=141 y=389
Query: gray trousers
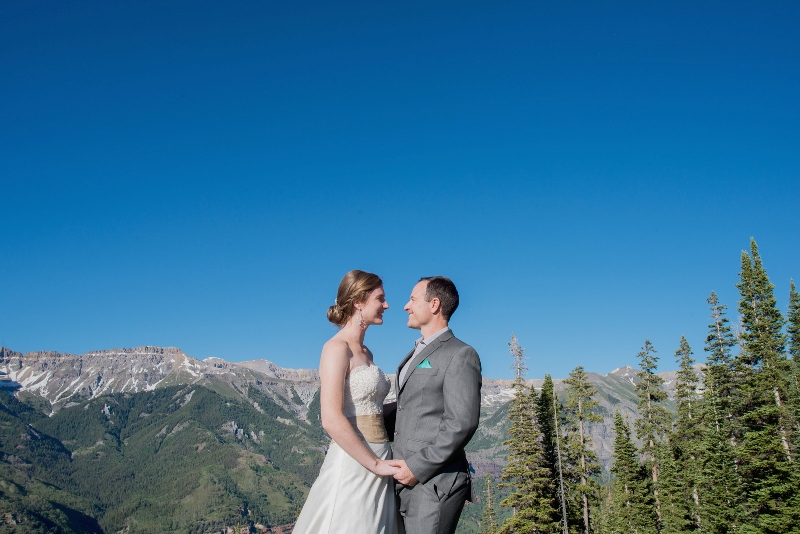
x=425 y=512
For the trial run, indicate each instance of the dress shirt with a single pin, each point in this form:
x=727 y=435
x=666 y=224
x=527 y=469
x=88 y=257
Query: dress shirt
x=421 y=343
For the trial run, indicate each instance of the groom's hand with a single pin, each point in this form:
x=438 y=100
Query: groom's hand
x=404 y=476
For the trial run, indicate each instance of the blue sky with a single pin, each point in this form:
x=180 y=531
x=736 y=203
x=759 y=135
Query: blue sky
x=202 y=174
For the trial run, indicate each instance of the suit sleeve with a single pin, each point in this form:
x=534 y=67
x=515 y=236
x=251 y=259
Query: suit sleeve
x=462 y=409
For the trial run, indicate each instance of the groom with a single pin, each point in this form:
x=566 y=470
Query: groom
x=438 y=406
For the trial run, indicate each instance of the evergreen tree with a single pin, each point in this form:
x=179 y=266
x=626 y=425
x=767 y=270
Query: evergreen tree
x=688 y=432
x=768 y=472
x=604 y=518
x=761 y=318
x=719 y=381
x=793 y=334
x=673 y=485
x=583 y=467
x=719 y=484
x=544 y=413
x=631 y=510
x=652 y=426
x=548 y=424
x=489 y=516
x=680 y=459
x=532 y=494
x=519 y=367
x=686 y=396
x=793 y=328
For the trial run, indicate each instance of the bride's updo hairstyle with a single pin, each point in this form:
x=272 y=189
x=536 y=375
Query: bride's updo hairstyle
x=354 y=287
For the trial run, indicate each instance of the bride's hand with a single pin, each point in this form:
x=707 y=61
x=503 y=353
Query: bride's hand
x=385 y=469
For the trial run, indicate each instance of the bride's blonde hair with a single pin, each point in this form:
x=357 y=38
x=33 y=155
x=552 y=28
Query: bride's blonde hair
x=354 y=287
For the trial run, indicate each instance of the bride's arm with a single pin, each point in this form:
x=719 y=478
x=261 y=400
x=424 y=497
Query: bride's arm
x=333 y=366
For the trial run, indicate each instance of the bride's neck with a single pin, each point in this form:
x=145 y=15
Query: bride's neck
x=354 y=332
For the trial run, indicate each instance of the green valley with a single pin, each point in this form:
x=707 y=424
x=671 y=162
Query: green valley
x=177 y=459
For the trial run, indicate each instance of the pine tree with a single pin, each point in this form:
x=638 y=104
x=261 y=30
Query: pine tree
x=579 y=413
x=562 y=494
x=519 y=367
x=631 y=509
x=761 y=318
x=544 y=413
x=763 y=343
x=673 y=482
x=719 y=379
x=793 y=335
x=768 y=471
x=603 y=521
x=489 y=516
x=719 y=483
x=793 y=329
x=532 y=495
x=652 y=426
x=686 y=397
x=680 y=459
x=548 y=424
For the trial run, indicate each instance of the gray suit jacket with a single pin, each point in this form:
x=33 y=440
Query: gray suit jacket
x=438 y=409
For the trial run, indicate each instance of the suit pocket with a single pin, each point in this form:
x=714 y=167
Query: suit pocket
x=445 y=484
x=422 y=376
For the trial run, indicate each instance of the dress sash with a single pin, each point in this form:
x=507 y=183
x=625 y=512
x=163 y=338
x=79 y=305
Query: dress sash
x=370 y=428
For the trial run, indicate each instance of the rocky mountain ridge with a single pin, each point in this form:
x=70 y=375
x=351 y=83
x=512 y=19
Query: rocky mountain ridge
x=61 y=380
x=59 y=376
x=64 y=379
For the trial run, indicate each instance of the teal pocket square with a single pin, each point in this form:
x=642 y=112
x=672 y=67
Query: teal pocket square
x=425 y=364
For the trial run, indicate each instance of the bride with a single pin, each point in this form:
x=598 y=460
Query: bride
x=354 y=492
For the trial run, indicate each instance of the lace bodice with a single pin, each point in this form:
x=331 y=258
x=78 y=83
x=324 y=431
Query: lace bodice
x=364 y=391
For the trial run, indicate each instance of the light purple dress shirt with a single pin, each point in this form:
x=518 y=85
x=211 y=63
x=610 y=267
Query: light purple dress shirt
x=421 y=343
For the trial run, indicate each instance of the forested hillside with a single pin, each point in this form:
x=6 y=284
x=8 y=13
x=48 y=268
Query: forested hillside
x=177 y=459
x=725 y=460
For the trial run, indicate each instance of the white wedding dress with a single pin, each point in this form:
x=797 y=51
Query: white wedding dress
x=347 y=498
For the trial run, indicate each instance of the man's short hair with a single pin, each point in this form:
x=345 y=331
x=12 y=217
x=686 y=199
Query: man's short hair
x=443 y=289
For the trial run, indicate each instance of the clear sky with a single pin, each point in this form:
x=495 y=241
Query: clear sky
x=202 y=174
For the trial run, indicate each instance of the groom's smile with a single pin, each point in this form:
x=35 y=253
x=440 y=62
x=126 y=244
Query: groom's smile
x=418 y=309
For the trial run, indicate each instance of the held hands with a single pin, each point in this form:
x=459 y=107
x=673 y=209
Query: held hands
x=403 y=474
x=385 y=468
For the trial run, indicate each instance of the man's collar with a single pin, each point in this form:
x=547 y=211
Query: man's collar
x=430 y=338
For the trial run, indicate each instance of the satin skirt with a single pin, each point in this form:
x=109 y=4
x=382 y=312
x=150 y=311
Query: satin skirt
x=347 y=498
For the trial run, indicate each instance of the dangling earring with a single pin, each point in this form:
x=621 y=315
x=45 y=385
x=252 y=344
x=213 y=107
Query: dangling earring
x=361 y=321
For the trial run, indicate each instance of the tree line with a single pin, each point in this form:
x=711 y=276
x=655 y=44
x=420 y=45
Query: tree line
x=725 y=462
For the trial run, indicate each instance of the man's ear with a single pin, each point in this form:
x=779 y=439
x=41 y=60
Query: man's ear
x=436 y=305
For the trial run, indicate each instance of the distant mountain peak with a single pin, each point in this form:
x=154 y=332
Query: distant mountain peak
x=623 y=371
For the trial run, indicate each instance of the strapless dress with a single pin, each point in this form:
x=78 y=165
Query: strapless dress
x=348 y=498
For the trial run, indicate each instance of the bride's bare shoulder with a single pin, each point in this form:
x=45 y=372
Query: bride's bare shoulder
x=336 y=348
x=335 y=358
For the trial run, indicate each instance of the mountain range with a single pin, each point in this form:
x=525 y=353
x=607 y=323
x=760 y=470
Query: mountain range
x=150 y=439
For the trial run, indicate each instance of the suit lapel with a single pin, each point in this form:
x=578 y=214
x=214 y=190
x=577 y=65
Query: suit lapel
x=400 y=368
x=419 y=358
